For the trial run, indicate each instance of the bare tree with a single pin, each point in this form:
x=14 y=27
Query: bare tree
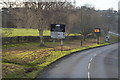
x=38 y=15
x=85 y=16
x=71 y=21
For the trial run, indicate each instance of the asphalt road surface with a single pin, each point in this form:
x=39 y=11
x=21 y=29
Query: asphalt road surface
x=99 y=62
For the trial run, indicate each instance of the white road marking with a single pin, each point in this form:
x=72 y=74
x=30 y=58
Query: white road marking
x=89 y=66
x=88 y=75
x=91 y=59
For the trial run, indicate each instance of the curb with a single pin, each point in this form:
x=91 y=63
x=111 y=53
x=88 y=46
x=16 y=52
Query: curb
x=59 y=59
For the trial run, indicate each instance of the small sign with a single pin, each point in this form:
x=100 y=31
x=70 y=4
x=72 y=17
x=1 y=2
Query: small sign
x=107 y=38
x=97 y=30
x=57 y=31
x=58 y=35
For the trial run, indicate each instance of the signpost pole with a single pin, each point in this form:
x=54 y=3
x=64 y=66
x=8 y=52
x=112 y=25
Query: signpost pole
x=97 y=39
x=61 y=44
x=54 y=43
x=97 y=31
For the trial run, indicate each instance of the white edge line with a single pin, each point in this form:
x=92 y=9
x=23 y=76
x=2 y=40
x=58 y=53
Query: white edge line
x=88 y=75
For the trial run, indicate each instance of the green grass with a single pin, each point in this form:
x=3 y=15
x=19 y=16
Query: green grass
x=29 y=46
x=114 y=38
x=11 y=32
x=19 y=45
x=24 y=32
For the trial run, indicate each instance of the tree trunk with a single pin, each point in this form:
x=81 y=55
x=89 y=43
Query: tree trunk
x=84 y=37
x=41 y=37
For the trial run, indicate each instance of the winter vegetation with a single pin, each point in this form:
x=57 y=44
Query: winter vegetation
x=39 y=15
x=21 y=19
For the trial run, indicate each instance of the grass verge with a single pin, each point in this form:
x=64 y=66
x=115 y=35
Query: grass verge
x=28 y=59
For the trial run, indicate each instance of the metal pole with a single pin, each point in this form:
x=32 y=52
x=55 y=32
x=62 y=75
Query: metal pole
x=61 y=44
x=54 y=44
x=97 y=39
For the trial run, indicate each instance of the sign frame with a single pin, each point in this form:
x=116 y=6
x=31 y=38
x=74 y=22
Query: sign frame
x=57 y=31
x=97 y=30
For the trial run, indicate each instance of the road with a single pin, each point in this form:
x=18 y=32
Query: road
x=110 y=32
x=99 y=62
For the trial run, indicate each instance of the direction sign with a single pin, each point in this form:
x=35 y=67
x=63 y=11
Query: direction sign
x=57 y=31
x=58 y=35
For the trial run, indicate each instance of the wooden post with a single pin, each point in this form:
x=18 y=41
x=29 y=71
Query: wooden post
x=97 y=39
x=81 y=42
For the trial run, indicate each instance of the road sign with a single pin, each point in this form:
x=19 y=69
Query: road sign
x=107 y=38
x=97 y=30
x=58 y=35
x=57 y=31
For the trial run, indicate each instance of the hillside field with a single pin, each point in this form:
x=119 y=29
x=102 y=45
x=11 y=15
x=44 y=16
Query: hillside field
x=11 y=32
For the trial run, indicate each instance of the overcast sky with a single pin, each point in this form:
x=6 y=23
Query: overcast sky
x=100 y=4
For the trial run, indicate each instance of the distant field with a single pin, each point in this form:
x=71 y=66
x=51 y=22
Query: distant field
x=25 y=32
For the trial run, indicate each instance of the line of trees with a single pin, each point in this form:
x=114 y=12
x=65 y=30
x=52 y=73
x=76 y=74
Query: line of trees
x=39 y=15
